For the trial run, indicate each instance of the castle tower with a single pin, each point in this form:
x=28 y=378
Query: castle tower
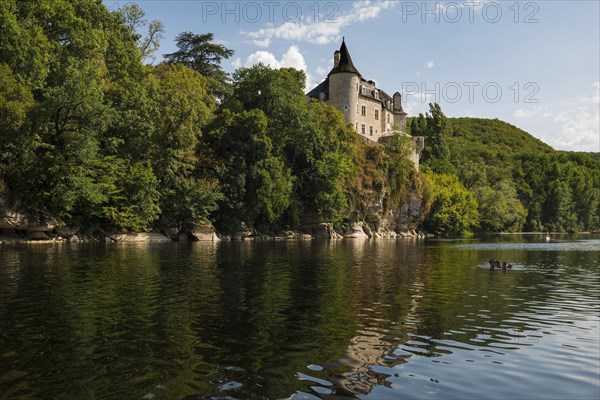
x=399 y=114
x=344 y=82
x=370 y=111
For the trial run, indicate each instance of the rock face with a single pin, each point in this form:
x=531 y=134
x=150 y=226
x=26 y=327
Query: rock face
x=10 y=219
x=203 y=233
x=357 y=231
x=141 y=237
x=321 y=230
x=37 y=235
x=170 y=228
x=399 y=222
x=66 y=231
x=373 y=221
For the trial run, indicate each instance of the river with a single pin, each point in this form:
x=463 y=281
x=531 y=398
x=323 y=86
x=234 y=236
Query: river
x=368 y=319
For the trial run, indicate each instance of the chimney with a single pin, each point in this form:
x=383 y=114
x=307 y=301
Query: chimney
x=336 y=58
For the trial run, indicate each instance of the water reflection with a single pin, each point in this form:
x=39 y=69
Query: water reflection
x=369 y=319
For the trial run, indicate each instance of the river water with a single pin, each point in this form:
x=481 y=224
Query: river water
x=368 y=319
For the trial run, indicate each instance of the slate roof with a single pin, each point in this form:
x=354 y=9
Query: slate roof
x=345 y=64
x=323 y=87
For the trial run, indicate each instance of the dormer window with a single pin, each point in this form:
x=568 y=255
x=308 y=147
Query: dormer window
x=362 y=90
x=375 y=94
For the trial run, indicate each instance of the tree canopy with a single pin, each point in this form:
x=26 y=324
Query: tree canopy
x=92 y=136
x=198 y=52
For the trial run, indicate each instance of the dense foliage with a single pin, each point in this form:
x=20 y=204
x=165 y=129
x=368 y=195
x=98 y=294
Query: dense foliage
x=95 y=138
x=279 y=156
x=91 y=136
x=453 y=207
x=519 y=182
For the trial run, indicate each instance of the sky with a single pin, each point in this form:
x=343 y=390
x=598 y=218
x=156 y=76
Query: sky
x=533 y=64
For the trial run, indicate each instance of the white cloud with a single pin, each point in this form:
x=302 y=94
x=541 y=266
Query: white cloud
x=524 y=113
x=263 y=43
x=262 y=57
x=415 y=103
x=570 y=125
x=292 y=58
x=320 y=32
x=579 y=124
x=429 y=64
x=237 y=63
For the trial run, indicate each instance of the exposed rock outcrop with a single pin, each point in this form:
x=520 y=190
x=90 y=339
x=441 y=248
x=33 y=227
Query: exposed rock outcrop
x=357 y=231
x=141 y=237
x=321 y=230
x=374 y=221
x=203 y=233
x=401 y=221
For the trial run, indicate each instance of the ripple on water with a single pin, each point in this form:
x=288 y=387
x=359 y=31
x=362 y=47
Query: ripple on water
x=407 y=322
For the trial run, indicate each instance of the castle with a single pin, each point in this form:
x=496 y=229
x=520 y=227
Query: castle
x=372 y=113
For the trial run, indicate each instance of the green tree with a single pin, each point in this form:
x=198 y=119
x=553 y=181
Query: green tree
x=453 y=207
x=419 y=125
x=256 y=183
x=198 y=52
x=16 y=101
x=322 y=159
x=499 y=207
x=134 y=19
x=67 y=67
x=183 y=107
x=436 y=153
x=282 y=157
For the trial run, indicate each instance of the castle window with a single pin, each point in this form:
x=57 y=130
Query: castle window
x=357 y=126
x=375 y=94
x=371 y=130
x=362 y=90
x=388 y=118
x=322 y=96
x=376 y=114
x=363 y=111
x=363 y=129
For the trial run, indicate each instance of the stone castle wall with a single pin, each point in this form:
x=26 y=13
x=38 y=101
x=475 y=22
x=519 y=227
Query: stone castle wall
x=343 y=94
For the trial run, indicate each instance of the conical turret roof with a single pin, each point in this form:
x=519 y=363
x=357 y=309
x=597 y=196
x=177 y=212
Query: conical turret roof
x=345 y=64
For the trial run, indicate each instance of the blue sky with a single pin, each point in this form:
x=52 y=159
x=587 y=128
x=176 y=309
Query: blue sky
x=534 y=64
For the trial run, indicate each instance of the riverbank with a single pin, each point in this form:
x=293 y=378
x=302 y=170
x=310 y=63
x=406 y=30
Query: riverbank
x=208 y=234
